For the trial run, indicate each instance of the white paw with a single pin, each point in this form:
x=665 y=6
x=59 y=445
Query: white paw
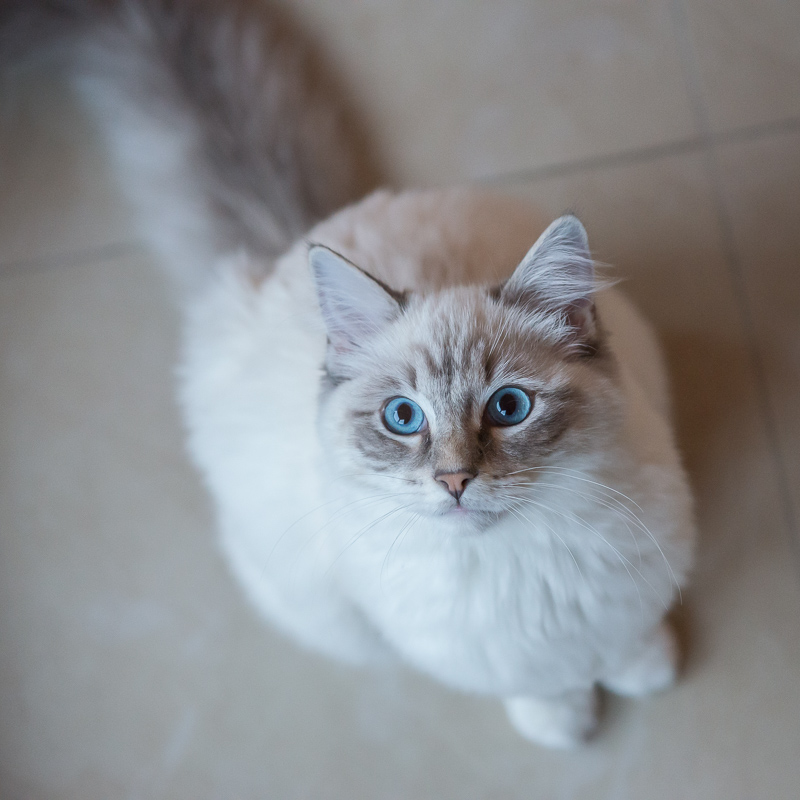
x=564 y=723
x=654 y=669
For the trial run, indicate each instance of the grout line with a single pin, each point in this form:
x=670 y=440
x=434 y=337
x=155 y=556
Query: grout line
x=625 y=158
x=751 y=133
x=70 y=259
x=693 y=144
x=710 y=145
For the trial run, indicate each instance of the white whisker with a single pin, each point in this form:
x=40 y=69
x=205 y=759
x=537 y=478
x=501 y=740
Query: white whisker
x=402 y=533
x=369 y=526
x=623 y=560
x=555 y=533
x=611 y=502
x=361 y=503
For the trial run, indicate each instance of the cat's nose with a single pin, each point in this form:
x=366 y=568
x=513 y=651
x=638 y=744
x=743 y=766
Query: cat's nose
x=454 y=482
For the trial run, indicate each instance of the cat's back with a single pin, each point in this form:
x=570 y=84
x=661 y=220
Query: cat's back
x=428 y=240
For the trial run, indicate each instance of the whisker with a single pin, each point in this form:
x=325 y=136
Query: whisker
x=402 y=533
x=373 y=475
x=632 y=517
x=619 y=556
x=555 y=533
x=624 y=513
x=360 y=502
x=364 y=530
x=513 y=510
x=578 y=475
x=623 y=560
x=296 y=522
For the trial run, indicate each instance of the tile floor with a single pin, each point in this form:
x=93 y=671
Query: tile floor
x=130 y=667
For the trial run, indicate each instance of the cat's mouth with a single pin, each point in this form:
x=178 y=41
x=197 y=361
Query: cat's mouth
x=471 y=514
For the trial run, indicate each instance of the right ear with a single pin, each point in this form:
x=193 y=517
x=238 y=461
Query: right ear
x=557 y=278
x=354 y=305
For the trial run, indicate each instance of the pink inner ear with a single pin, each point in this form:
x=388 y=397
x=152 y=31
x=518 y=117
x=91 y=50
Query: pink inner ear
x=580 y=316
x=354 y=305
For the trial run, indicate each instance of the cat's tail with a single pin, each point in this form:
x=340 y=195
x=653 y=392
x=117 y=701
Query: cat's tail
x=225 y=132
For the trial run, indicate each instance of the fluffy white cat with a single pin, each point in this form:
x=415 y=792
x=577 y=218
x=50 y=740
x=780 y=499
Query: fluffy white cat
x=545 y=560
x=426 y=440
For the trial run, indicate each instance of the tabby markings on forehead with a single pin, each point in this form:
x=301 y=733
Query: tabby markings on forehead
x=452 y=362
x=389 y=386
x=411 y=376
x=447 y=366
x=430 y=362
x=489 y=366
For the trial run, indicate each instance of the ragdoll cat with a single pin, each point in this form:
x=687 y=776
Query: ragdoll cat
x=426 y=440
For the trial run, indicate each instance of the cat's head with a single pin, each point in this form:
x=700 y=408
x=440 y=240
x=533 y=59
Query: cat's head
x=455 y=400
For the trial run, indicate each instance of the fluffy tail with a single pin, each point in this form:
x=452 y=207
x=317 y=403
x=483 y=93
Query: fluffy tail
x=225 y=132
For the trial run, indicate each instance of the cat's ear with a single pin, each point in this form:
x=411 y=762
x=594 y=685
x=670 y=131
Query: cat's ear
x=354 y=305
x=556 y=277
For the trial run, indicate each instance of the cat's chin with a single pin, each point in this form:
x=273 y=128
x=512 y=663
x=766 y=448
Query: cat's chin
x=465 y=513
x=468 y=520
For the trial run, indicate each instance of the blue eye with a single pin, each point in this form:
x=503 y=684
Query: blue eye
x=403 y=416
x=508 y=406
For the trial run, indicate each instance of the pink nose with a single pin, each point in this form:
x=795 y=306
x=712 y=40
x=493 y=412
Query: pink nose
x=454 y=482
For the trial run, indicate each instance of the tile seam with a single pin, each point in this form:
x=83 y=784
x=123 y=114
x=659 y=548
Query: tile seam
x=693 y=144
x=70 y=259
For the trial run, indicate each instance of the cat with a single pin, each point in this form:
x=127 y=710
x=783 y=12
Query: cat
x=426 y=440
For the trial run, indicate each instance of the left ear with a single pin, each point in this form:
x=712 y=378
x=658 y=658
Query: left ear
x=557 y=277
x=354 y=305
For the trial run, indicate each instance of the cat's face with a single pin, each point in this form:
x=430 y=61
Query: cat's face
x=452 y=402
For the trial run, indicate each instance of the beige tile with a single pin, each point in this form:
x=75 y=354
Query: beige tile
x=762 y=187
x=57 y=194
x=455 y=90
x=132 y=667
x=748 y=54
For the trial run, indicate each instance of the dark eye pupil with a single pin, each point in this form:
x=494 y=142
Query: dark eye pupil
x=403 y=414
x=507 y=404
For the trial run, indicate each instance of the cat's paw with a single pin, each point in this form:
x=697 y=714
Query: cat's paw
x=563 y=723
x=653 y=670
